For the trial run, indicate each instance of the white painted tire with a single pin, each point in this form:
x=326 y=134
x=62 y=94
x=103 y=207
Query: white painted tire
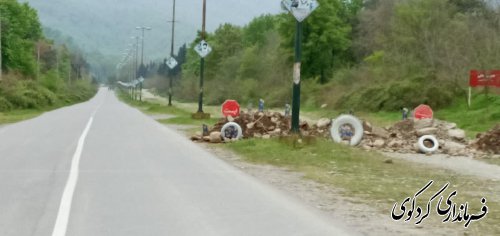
x=425 y=149
x=347 y=120
x=227 y=125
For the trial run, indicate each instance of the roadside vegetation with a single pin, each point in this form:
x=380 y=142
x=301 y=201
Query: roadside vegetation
x=38 y=75
x=380 y=56
x=364 y=177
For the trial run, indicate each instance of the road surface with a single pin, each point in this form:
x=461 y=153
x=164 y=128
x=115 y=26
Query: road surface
x=104 y=168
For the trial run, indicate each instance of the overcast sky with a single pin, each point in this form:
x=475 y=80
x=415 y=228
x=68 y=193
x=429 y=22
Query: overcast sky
x=108 y=24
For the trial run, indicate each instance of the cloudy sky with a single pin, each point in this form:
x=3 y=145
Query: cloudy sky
x=107 y=25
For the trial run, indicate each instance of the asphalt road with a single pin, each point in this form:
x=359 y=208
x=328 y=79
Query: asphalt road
x=104 y=168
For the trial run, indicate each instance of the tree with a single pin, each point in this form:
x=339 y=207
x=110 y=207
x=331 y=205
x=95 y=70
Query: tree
x=326 y=38
x=20 y=30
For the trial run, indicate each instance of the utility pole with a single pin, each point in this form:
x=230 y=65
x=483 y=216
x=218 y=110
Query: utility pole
x=202 y=62
x=171 y=55
x=57 y=62
x=296 y=79
x=1 y=46
x=142 y=28
x=38 y=60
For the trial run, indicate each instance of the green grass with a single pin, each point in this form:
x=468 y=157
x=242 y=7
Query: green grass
x=18 y=115
x=181 y=114
x=366 y=176
x=186 y=120
x=483 y=115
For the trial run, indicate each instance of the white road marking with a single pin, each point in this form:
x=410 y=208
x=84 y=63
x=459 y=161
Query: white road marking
x=67 y=197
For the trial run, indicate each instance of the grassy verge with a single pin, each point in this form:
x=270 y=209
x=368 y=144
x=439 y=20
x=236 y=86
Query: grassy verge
x=181 y=114
x=483 y=115
x=22 y=99
x=18 y=115
x=367 y=176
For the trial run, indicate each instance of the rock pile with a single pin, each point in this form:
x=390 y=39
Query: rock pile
x=267 y=125
x=488 y=142
x=403 y=136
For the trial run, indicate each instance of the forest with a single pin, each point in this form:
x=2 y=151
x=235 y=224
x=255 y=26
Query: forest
x=376 y=55
x=38 y=72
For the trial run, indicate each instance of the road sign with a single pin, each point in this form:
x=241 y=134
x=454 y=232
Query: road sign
x=300 y=9
x=203 y=49
x=171 y=63
x=423 y=112
x=231 y=108
x=484 y=78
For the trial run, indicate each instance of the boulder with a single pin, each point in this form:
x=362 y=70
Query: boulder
x=196 y=138
x=215 y=137
x=275 y=132
x=450 y=126
x=453 y=147
x=266 y=136
x=230 y=119
x=324 y=106
x=379 y=143
x=323 y=123
x=367 y=126
x=395 y=144
x=457 y=134
x=206 y=138
x=427 y=131
x=423 y=123
x=380 y=132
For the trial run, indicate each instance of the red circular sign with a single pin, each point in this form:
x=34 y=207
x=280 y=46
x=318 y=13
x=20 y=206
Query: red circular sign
x=423 y=112
x=231 y=108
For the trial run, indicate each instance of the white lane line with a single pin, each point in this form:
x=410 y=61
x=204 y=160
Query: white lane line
x=67 y=197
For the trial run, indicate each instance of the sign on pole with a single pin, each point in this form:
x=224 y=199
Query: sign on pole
x=484 y=78
x=300 y=9
x=203 y=49
x=171 y=63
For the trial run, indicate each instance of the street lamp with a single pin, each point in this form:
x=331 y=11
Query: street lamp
x=142 y=28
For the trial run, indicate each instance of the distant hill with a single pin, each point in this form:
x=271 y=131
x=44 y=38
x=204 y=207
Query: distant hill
x=107 y=25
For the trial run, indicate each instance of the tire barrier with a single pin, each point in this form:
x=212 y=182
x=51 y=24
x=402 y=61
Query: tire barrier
x=231 y=130
x=342 y=128
x=425 y=149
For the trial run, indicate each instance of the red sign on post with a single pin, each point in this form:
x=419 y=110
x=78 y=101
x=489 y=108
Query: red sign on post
x=484 y=78
x=231 y=108
x=423 y=112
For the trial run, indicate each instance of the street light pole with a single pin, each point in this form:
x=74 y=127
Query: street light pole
x=142 y=28
x=296 y=79
x=1 y=46
x=171 y=55
x=202 y=62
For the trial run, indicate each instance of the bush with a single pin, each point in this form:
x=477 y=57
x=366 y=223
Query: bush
x=5 y=105
x=396 y=95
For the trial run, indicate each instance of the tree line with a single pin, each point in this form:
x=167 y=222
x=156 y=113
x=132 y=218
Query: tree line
x=37 y=71
x=363 y=55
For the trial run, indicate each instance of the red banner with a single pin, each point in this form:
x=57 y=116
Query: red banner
x=484 y=78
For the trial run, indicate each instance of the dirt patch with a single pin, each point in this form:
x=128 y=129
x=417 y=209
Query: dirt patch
x=489 y=141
